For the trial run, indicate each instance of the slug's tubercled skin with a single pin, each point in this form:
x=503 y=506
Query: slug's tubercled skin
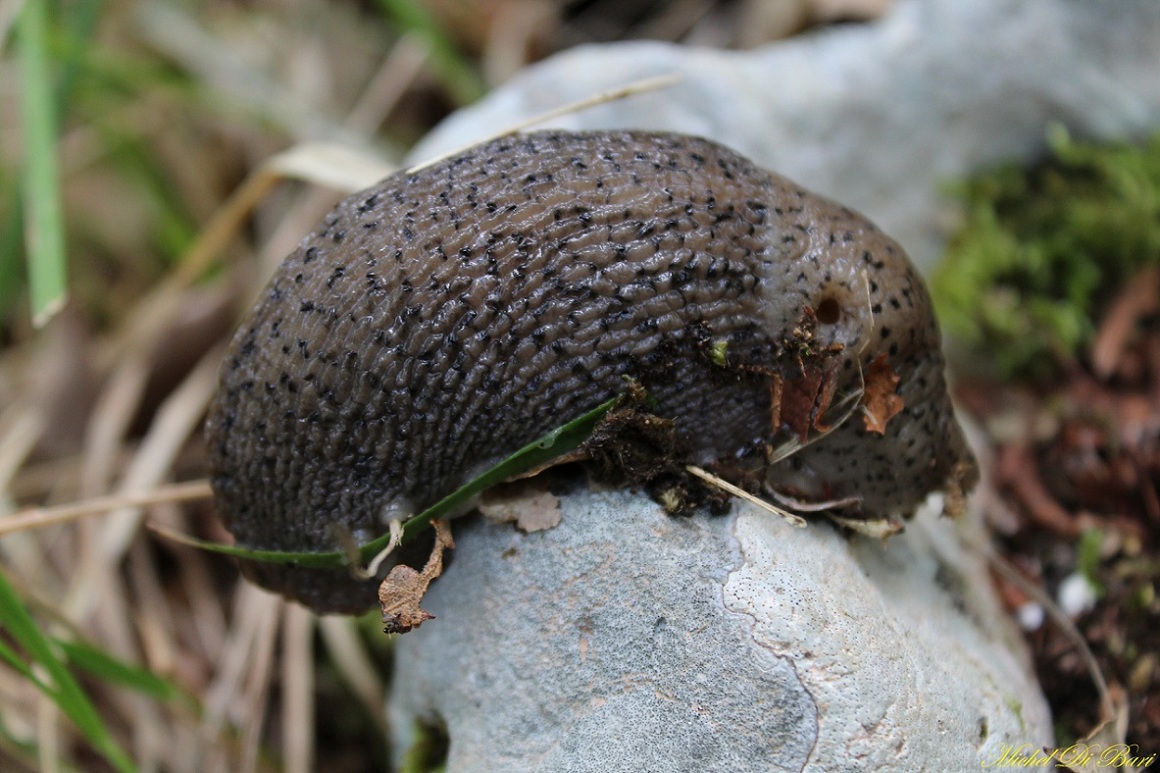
x=443 y=319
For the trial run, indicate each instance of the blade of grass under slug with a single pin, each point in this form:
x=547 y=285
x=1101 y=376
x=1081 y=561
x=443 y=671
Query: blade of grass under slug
x=44 y=226
x=60 y=685
x=551 y=446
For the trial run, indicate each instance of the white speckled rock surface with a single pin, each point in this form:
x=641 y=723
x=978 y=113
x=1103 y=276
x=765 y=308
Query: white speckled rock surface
x=624 y=639
x=877 y=116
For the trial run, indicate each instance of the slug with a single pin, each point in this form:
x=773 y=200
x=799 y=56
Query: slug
x=444 y=318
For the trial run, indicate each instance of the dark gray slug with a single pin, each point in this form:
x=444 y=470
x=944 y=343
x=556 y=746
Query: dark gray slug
x=444 y=318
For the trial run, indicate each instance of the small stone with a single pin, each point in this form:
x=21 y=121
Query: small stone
x=1031 y=616
x=1076 y=595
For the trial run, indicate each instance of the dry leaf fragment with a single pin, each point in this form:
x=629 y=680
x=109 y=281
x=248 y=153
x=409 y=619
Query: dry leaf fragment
x=802 y=401
x=878 y=397
x=529 y=507
x=403 y=589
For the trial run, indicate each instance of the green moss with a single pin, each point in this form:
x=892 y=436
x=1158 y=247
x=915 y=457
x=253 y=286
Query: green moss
x=428 y=751
x=1043 y=250
x=1088 y=558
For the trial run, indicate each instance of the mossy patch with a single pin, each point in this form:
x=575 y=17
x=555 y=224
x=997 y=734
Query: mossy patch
x=1042 y=250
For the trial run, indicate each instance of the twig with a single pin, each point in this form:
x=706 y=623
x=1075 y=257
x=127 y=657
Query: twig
x=39 y=517
x=628 y=90
x=792 y=518
x=1009 y=573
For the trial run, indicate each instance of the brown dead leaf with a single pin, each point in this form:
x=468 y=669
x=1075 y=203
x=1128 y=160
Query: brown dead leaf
x=799 y=401
x=529 y=507
x=802 y=401
x=403 y=589
x=878 y=397
x=776 y=387
x=825 y=394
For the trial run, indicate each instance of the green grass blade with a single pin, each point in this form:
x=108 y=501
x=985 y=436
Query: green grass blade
x=18 y=624
x=10 y=656
x=78 y=24
x=11 y=240
x=452 y=69
x=556 y=443
x=551 y=446
x=100 y=664
x=44 y=226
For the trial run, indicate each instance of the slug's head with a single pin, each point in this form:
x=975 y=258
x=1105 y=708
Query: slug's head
x=869 y=302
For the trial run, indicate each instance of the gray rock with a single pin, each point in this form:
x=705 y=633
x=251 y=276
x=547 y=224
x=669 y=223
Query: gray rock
x=877 y=116
x=624 y=639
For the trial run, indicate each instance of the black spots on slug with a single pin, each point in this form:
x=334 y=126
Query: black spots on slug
x=375 y=287
x=368 y=204
x=868 y=258
x=309 y=256
x=245 y=352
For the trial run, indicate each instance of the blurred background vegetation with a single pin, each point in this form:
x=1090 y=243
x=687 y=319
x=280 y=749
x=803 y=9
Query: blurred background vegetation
x=158 y=157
